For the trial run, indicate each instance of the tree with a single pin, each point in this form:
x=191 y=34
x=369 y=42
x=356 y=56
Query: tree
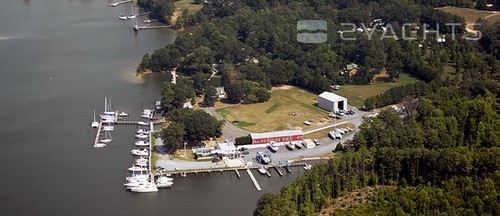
x=165 y=59
x=200 y=82
x=144 y=63
x=173 y=135
x=200 y=126
x=210 y=97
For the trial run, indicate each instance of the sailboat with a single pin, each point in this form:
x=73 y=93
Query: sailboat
x=94 y=124
x=131 y=16
x=106 y=138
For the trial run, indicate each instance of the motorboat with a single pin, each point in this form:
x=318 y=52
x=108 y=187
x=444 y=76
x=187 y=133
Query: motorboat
x=131 y=16
x=108 y=127
x=141 y=163
x=290 y=146
x=123 y=114
x=94 y=124
x=142 y=123
x=141 y=160
x=144 y=188
x=263 y=157
x=135 y=168
x=99 y=145
x=165 y=184
x=135 y=183
x=113 y=4
x=146 y=115
x=274 y=146
x=140 y=152
x=136 y=178
x=107 y=137
x=262 y=170
x=141 y=143
x=123 y=17
x=141 y=136
x=298 y=145
x=183 y=175
x=142 y=131
x=307 y=166
x=149 y=21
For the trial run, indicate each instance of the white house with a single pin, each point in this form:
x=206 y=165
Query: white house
x=220 y=92
x=332 y=102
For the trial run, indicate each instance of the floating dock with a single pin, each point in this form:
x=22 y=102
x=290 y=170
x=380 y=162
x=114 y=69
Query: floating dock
x=257 y=186
x=237 y=173
x=98 y=134
x=143 y=27
x=278 y=169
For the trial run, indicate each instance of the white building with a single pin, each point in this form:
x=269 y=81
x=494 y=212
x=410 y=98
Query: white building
x=332 y=102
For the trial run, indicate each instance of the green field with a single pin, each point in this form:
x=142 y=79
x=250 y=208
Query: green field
x=277 y=113
x=356 y=94
x=192 y=8
x=471 y=15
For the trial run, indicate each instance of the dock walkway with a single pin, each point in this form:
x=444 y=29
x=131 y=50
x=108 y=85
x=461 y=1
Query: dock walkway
x=257 y=186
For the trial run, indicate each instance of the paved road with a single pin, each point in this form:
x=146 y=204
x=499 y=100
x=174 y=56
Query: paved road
x=230 y=131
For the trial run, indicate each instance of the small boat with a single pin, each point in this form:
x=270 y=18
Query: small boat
x=146 y=115
x=142 y=131
x=123 y=17
x=183 y=175
x=290 y=146
x=274 y=146
x=143 y=164
x=94 y=124
x=131 y=16
x=144 y=188
x=142 y=123
x=141 y=136
x=298 y=145
x=99 y=145
x=123 y=114
x=136 y=178
x=308 y=166
x=107 y=137
x=113 y=4
x=148 y=21
x=141 y=143
x=135 y=168
x=262 y=170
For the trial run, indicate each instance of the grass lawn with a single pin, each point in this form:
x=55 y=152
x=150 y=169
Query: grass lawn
x=470 y=15
x=192 y=8
x=356 y=94
x=277 y=113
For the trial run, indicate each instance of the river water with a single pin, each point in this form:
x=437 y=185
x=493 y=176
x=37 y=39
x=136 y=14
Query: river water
x=58 y=60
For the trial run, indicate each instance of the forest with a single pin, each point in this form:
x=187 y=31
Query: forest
x=252 y=45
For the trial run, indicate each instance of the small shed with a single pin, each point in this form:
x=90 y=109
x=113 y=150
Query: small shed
x=187 y=105
x=332 y=102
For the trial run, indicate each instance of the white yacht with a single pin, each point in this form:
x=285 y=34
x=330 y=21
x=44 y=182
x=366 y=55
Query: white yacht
x=99 y=145
x=144 y=188
x=140 y=152
x=141 y=143
x=142 y=131
x=141 y=136
x=135 y=168
x=123 y=114
x=142 y=164
x=131 y=16
x=123 y=17
x=108 y=127
x=141 y=160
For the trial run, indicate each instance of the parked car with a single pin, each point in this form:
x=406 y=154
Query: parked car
x=317 y=142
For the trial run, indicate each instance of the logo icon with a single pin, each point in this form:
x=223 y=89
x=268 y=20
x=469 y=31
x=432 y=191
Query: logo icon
x=312 y=31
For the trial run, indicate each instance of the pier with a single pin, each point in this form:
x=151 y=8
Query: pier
x=98 y=134
x=237 y=173
x=143 y=27
x=257 y=186
x=278 y=169
x=119 y=3
x=132 y=122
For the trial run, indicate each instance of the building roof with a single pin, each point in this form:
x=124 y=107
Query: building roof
x=352 y=66
x=276 y=134
x=220 y=90
x=226 y=147
x=331 y=96
x=187 y=105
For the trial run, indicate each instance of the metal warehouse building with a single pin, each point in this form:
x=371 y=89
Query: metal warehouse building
x=332 y=102
x=278 y=136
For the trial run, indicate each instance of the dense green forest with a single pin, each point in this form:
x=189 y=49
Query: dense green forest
x=255 y=41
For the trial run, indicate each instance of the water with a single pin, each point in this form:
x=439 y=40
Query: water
x=58 y=59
